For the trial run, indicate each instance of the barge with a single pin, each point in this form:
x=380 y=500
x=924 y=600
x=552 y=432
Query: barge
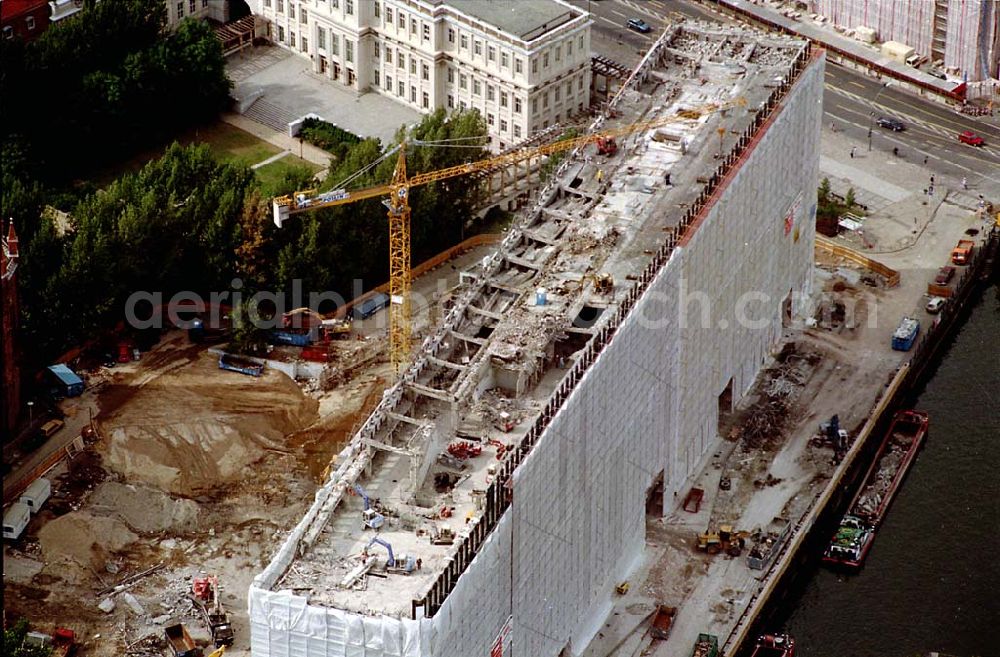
x=856 y=532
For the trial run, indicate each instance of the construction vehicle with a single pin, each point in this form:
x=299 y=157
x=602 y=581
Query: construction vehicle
x=707 y=645
x=961 y=254
x=310 y=320
x=62 y=642
x=180 y=642
x=663 y=620
x=404 y=566
x=205 y=594
x=725 y=540
x=607 y=146
x=372 y=518
x=442 y=536
x=603 y=283
x=396 y=195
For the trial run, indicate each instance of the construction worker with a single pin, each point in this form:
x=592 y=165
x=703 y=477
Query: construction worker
x=600 y=175
x=965 y=183
x=852 y=151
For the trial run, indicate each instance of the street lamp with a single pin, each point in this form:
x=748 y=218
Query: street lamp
x=871 y=122
x=30 y=404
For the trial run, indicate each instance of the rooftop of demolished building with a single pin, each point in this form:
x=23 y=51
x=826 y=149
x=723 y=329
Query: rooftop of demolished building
x=502 y=351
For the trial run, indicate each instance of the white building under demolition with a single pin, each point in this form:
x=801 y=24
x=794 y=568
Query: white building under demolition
x=612 y=396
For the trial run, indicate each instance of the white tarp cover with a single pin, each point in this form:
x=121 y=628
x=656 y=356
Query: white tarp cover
x=285 y=625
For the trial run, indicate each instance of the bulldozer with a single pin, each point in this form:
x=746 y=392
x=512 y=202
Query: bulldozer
x=604 y=283
x=726 y=539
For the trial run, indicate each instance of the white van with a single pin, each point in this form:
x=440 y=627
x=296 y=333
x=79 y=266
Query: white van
x=35 y=495
x=15 y=520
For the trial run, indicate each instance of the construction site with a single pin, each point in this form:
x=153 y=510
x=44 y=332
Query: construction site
x=500 y=487
x=603 y=441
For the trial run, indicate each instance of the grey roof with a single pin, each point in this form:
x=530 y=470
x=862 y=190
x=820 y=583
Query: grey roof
x=525 y=19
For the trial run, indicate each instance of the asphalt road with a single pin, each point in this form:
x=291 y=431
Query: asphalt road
x=849 y=99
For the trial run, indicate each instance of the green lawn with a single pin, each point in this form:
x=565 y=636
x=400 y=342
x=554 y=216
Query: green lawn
x=228 y=144
x=271 y=174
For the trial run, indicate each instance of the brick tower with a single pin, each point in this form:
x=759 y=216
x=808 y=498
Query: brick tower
x=10 y=375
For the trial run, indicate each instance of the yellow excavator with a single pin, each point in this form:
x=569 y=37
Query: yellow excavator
x=725 y=540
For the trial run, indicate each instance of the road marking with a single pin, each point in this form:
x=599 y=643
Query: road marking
x=618 y=13
x=607 y=20
x=658 y=4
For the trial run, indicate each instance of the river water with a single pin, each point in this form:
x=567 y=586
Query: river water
x=932 y=577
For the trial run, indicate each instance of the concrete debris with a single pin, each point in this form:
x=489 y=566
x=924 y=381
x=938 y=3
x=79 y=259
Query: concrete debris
x=133 y=604
x=107 y=605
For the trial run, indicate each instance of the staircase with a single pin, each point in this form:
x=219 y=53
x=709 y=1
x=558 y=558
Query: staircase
x=269 y=114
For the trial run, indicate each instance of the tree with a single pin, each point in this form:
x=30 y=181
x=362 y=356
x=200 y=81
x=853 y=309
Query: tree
x=823 y=193
x=849 y=199
x=14 y=645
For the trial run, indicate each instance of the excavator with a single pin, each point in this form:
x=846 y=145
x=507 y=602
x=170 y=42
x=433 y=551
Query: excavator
x=725 y=540
x=604 y=283
x=403 y=566
x=372 y=518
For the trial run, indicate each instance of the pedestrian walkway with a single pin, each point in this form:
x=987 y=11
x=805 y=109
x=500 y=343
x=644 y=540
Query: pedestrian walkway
x=870 y=189
x=273 y=158
x=308 y=152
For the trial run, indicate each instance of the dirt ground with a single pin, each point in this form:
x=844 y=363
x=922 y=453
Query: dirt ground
x=196 y=471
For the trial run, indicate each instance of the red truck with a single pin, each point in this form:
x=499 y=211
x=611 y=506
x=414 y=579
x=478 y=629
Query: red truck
x=961 y=254
x=62 y=641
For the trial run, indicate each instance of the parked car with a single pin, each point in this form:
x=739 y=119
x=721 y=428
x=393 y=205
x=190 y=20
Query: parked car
x=944 y=275
x=935 y=305
x=892 y=124
x=970 y=138
x=371 y=305
x=638 y=25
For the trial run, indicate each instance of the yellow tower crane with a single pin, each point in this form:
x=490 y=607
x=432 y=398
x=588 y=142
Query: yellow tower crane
x=397 y=193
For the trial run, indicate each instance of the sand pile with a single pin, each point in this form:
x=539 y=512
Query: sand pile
x=82 y=538
x=192 y=427
x=144 y=509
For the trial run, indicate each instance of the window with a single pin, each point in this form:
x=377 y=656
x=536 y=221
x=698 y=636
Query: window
x=378 y=10
x=180 y=9
x=401 y=89
x=451 y=35
x=204 y=4
x=303 y=16
x=30 y=22
x=413 y=94
x=413 y=25
x=463 y=81
x=491 y=54
x=425 y=72
x=518 y=65
x=558 y=53
x=377 y=76
x=281 y=34
x=579 y=82
x=451 y=75
x=281 y=6
x=336 y=4
x=267 y=3
x=350 y=77
x=291 y=10
x=517 y=105
x=401 y=60
x=349 y=8
x=402 y=21
x=581 y=42
x=462 y=105
x=489 y=118
x=545 y=60
x=504 y=60
x=534 y=66
x=490 y=92
x=503 y=126
x=388 y=55
x=427 y=100
x=503 y=99
x=569 y=88
x=388 y=78
x=569 y=49
x=348 y=50
x=464 y=43
x=305 y=44
x=451 y=101
x=334 y=43
x=534 y=105
x=291 y=39
x=557 y=95
x=321 y=38
x=388 y=15
x=427 y=32
x=517 y=131
x=477 y=87
x=191 y=9
x=413 y=65
x=545 y=99
x=478 y=47
x=378 y=50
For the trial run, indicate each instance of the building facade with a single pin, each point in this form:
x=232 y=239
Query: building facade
x=524 y=66
x=962 y=34
x=10 y=374
x=23 y=19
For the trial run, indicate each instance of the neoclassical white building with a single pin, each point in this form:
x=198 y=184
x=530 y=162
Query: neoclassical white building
x=524 y=65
